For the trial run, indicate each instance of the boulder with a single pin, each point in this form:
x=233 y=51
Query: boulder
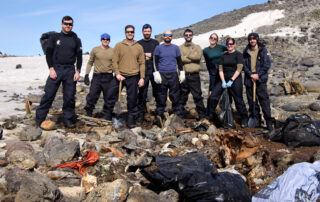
x=113 y=191
x=174 y=122
x=308 y=62
x=18 y=66
x=57 y=150
x=75 y=193
x=292 y=107
x=24 y=147
x=312 y=86
x=169 y=196
x=37 y=187
x=13 y=178
x=139 y=193
x=22 y=160
x=314 y=106
x=30 y=133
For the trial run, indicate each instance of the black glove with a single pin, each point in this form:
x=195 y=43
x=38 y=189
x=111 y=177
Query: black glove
x=86 y=79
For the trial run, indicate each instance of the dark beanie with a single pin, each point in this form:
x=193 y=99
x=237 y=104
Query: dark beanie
x=253 y=36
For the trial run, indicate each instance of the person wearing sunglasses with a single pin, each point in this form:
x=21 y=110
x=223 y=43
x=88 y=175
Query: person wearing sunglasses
x=230 y=69
x=167 y=56
x=191 y=55
x=256 y=66
x=61 y=55
x=102 y=79
x=148 y=45
x=129 y=66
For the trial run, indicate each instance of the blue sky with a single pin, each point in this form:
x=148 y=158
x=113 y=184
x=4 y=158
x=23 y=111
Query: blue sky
x=23 y=21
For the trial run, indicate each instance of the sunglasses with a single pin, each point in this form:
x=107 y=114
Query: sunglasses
x=167 y=35
x=106 y=39
x=146 y=26
x=213 y=38
x=131 y=32
x=188 y=35
x=230 y=44
x=68 y=24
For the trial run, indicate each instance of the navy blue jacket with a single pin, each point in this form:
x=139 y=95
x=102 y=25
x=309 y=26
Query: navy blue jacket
x=262 y=66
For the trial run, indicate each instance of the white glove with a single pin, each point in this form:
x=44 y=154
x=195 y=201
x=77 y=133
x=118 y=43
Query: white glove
x=157 y=77
x=182 y=76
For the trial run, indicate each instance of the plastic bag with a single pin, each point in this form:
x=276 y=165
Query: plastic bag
x=196 y=179
x=299 y=183
x=299 y=130
x=225 y=113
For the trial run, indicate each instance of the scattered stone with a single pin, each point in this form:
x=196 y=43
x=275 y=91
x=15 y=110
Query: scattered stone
x=139 y=193
x=3 y=162
x=308 y=62
x=24 y=147
x=9 y=124
x=169 y=196
x=315 y=156
x=174 y=122
x=80 y=89
x=212 y=130
x=13 y=178
x=57 y=151
x=30 y=133
x=292 y=107
x=257 y=172
x=205 y=137
x=37 y=187
x=113 y=191
x=312 y=86
x=194 y=141
x=314 y=106
x=276 y=91
x=74 y=193
x=34 y=98
x=18 y=66
x=48 y=125
x=22 y=160
x=89 y=182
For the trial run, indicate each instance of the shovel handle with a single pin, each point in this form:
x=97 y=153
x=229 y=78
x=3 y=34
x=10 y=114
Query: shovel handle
x=254 y=91
x=120 y=88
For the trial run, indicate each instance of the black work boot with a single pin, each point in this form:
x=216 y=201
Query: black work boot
x=270 y=124
x=89 y=113
x=158 y=121
x=244 y=122
x=139 y=119
x=130 y=122
x=69 y=124
x=107 y=116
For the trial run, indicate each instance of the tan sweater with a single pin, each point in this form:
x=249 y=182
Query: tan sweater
x=254 y=55
x=128 y=60
x=102 y=60
x=190 y=56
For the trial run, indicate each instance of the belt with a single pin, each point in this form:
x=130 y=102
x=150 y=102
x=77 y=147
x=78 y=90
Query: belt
x=191 y=73
x=97 y=74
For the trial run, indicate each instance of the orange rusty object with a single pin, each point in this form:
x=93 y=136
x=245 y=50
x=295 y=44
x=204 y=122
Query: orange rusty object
x=90 y=159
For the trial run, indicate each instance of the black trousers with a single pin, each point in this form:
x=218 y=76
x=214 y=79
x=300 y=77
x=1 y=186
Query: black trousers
x=65 y=74
x=262 y=98
x=131 y=84
x=192 y=84
x=143 y=92
x=170 y=81
x=107 y=84
x=235 y=91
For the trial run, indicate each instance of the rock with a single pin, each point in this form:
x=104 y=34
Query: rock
x=298 y=87
x=137 y=130
x=89 y=182
x=22 y=160
x=149 y=134
x=194 y=140
x=74 y=193
x=79 y=89
x=315 y=156
x=169 y=196
x=91 y=137
x=276 y=91
x=25 y=147
x=292 y=107
x=33 y=98
x=13 y=178
x=257 y=172
x=233 y=171
x=48 y=125
x=205 y=137
x=285 y=160
x=1 y=131
x=57 y=151
x=312 y=86
x=40 y=158
x=308 y=62
x=3 y=162
x=9 y=124
x=113 y=191
x=314 y=106
x=30 y=133
x=174 y=122
x=18 y=66
x=139 y=193
x=37 y=187
x=212 y=130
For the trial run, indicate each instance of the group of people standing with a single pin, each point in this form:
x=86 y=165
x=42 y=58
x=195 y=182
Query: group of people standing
x=166 y=66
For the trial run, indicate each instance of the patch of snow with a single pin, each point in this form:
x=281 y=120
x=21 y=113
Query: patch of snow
x=248 y=24
x=287 y=32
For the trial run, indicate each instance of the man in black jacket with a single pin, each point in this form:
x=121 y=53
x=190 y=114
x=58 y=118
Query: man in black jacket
x=256 y=66
x=148 y=45
x=63 y=51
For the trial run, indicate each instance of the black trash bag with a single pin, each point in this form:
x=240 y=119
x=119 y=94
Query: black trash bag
x=298 y=130
x=195 y=178
x=225 y=113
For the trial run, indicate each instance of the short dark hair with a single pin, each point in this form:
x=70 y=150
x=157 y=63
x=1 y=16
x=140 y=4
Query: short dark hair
x=129 y=26
x=230 y=38
x=66 y=18
x=187 y=30
x=215 y=35
x=146 y=26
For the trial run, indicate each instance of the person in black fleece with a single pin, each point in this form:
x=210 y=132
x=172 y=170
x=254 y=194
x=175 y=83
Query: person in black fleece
x=63 y=51
x=230 y=77
x=148 y=45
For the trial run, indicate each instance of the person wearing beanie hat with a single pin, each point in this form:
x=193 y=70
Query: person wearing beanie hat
x=256 y=66
x=103 y=79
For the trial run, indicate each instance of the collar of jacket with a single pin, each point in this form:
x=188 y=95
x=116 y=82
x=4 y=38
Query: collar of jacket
x=124 y=42
x=188 y=44
x=260 y=47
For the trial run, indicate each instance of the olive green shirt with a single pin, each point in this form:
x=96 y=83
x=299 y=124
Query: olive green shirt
x=191 y=55
x=254 y=56
x=101 y=59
